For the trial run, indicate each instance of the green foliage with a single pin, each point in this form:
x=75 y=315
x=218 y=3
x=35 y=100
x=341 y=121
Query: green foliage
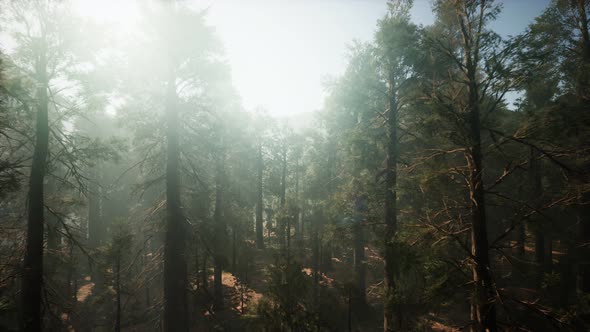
x=289 y=302
x=535 y=162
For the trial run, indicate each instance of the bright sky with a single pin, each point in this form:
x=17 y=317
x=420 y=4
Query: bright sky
x=281 y=51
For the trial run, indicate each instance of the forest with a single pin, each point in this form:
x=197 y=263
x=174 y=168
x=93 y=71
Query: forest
x=444 y=184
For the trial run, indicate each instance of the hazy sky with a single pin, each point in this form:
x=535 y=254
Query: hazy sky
x=280 y=51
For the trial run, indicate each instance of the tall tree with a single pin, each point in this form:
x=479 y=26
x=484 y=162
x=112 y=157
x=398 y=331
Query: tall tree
x=475 y=85
x=177 y=72
x=37 y=42
x=396 y=39
x=175 y=278
x=220 y=239
x=33 y=261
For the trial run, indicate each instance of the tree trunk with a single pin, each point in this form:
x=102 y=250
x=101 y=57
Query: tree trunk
x=584 y=199
x=94 y=211
x=118 y=290
x=53 y=235
x=175 y=278
x=234 y=254
x=521 y=229
x=584 y=80
x=536 y=184
x=316 y=252
x=483 y=308
x=32 y=275
x=282 y=222
x=259 y=207
x=390 y=207
x=288 y=238
x=284 y=178
x=548 y=261
x=302 y=226
x=204 y=275
x=219 y=234
x=197 y=265
x=583 y=245
x=297 y=235
x=359 y=266
x=484 y=305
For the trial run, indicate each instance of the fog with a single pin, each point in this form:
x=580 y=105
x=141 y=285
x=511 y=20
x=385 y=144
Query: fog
x=294 y=165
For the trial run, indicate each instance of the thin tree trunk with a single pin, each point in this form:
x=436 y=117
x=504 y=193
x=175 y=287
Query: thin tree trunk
x=282 y=223
x=297 y=235
x=197 y=266
x=234 y=249
x=148 y=299
x=316 y=256
x=349 y=313
x=32 y=277
x=584 y=81
x=284 y=178
x=204 y=275
x=72 y=286
x=118 y=290
x=94 y=211
x=390 y=207
x=548 y=260
x=521 y=229
x=259 y=206
x=359 y=266
x=583 y=245
x=539 y=224
x=302 y=229
x=219 y=233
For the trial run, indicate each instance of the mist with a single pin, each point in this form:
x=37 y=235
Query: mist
x=260 y=165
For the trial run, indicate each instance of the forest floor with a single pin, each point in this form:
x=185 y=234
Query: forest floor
x=240 y=298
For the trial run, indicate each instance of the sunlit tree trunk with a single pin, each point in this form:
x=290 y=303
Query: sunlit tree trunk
x=483 y=308
x=32 y=277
